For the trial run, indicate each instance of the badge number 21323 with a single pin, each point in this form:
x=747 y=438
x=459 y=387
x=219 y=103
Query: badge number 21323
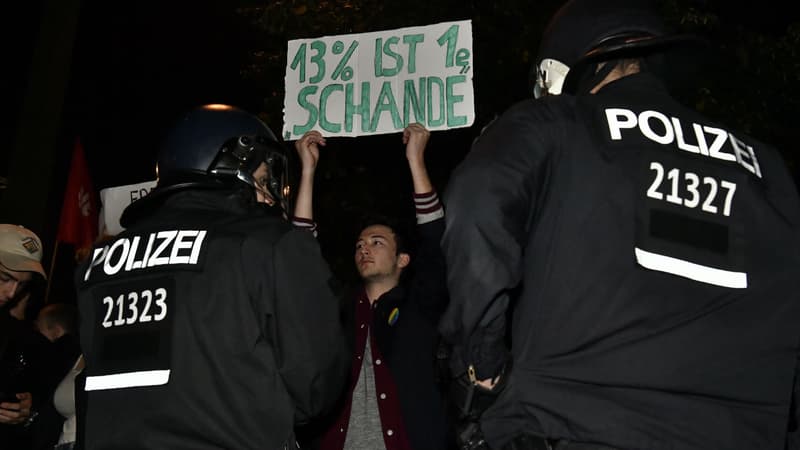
x=135 y=307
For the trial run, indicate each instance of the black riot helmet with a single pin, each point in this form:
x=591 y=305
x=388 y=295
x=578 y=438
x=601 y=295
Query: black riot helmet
x=216 y=147
x=586 y=32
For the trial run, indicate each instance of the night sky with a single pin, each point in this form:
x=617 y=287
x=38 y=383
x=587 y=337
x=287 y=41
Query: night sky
x=138 y=67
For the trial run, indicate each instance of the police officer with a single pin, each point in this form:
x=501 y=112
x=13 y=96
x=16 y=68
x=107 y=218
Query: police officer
x=209 y=322
x=648 y=258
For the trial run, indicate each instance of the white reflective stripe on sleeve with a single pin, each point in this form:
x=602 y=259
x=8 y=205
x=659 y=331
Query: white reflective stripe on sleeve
x=686 y=269
x=127 y=380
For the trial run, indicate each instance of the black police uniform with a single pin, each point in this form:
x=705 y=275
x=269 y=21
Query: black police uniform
x=207 y=325
x=655 y=257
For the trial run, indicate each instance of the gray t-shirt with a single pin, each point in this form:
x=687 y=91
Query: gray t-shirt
x=364 y=431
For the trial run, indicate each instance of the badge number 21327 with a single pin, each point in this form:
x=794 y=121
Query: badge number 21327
x=691 y=186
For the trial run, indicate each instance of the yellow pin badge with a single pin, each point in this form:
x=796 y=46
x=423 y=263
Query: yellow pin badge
x=393 y=316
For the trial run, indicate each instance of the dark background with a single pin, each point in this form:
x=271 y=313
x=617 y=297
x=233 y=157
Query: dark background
x=134 y=67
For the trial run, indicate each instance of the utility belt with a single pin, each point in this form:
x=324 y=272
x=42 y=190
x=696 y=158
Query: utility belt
x=473 y=400
x=471 y=438
x=531 y=442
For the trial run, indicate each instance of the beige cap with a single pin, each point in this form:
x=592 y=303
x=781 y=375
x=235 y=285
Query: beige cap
x=20 y=249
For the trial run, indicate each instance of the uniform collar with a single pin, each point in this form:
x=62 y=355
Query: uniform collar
x=642 y=81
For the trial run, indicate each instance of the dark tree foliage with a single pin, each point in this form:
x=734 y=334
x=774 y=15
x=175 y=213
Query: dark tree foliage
x=750 y=81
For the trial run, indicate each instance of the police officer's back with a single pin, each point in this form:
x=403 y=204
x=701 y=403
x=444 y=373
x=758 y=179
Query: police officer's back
x=209 y=322
x=652 y=256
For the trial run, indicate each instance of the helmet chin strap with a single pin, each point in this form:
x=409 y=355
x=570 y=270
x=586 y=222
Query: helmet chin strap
x=268 y=199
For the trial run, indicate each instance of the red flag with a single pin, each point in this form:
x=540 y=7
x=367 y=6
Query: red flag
x=78 y=224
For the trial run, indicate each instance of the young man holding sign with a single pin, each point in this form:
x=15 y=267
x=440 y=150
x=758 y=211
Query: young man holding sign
x=393 y=401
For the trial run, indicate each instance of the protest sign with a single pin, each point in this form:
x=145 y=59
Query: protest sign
x=115 y=199
x=376 y=83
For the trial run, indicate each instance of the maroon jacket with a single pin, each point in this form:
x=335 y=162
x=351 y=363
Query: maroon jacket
x=413 y=408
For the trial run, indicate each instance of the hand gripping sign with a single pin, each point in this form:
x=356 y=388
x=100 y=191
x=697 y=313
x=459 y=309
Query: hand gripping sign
x=377 y=83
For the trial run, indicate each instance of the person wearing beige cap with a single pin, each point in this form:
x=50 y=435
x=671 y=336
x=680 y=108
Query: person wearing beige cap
x=20 y=265
x=20 y=260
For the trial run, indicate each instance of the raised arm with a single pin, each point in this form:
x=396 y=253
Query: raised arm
x=426 y=202
x=429 y=284
x=308 y=150
x=415 y=138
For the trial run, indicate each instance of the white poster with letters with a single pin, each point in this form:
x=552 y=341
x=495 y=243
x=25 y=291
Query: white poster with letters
x=114 y=200
x=377 y=83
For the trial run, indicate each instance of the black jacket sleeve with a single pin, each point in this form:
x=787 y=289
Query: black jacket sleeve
x=793 y=434
x=308 y=337
x=429 y=286
x=490 y=202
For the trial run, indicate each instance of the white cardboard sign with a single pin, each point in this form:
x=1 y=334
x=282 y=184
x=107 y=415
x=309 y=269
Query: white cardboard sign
x=377 y=83
x=115 y=199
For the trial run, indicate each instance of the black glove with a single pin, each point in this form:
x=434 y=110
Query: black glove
x=472 y=400
x=470 y=437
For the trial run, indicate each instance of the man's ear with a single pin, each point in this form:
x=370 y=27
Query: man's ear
x=403 y=259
